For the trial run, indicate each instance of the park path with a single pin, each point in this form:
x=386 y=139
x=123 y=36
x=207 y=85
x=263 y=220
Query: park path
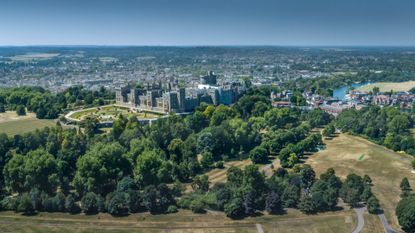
x=360 y=219
x=385 y=223
x=259 y=228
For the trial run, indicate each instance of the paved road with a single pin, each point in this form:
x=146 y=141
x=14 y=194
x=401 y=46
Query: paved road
x=360 y=219
x=259 y=228
x=386 y=226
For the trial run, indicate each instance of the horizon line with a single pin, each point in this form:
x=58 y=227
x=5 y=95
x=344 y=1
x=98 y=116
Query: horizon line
x=204 y=45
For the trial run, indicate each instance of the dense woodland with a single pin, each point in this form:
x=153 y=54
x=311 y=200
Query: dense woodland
x=386 y=126
x=135 y=168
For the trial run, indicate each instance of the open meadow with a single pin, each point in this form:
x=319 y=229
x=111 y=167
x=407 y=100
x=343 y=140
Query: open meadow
x=386 y=86
x=346 y=154
x=184 y=221
x=12 y=124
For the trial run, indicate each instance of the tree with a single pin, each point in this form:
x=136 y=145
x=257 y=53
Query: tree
x=148 y=167
x=118 y=205
x=373 y=205
x=250 y=202
x=201 y=182
x=90 y=125
x=292 y=160
x=405 y=187
x=307 y=205
x=307 y=176
x=126 y=184
x=134 y=201
x=25 y=204
x=71 y=206
x=352 y=189
x=366 y=194
x=352 y=197
x=291 y=196
x=35 y=196
x=234 y=176
x=59 y=202
x=258 y=155
x=207 y=159
x=37 y=169
x=273 y=203
x=235 y=209
x=318 y=117
x=375 y=90
x=405 y=211
x=100 y=169
x=20 y=110
x=90 y=203
x=175 y=149
x=2 y=109
x=196 y=121
x=197 y=206
x=329 y=130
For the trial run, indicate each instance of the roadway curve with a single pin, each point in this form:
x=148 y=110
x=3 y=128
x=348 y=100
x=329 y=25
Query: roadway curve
x=360 y=219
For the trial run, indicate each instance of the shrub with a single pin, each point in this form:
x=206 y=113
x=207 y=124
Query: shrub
x=90 y=203
x=21 y=110
x=172 y=209
x=71 y=206
x=197 y=206
x=235 y=209
x=258 y=155
x=25 y=204
x=373 y=205
x=118 y=205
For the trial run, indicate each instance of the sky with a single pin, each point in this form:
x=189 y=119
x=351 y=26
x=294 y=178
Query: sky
x=208 y=22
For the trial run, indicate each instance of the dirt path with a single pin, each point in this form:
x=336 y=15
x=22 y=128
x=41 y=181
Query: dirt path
x=385 y=223
x=360 y=219
x=259 y=228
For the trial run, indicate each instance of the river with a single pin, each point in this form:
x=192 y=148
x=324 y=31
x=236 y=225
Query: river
x=340 y=93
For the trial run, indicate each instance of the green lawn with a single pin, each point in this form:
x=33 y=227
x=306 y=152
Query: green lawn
x=110 y=111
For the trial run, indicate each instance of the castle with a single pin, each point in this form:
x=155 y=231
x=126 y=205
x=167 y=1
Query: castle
x=175 y=99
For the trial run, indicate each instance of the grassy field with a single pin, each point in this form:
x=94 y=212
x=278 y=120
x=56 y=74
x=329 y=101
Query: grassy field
x=11 y=124
x=184 y=221
x=383 y=87
x=347 y=154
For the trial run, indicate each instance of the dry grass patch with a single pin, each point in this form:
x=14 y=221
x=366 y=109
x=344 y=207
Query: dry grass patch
x=11 y=124
x=183 y=221
x=384 y=86
x=385 y=167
